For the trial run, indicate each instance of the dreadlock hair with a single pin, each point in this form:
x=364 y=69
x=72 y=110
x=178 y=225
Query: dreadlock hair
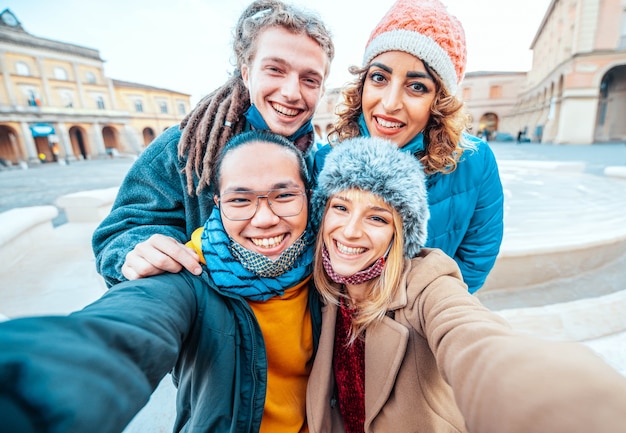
x=443 y=134
x=219 y=115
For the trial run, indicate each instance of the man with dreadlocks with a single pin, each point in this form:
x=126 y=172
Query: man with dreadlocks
x=283 y=59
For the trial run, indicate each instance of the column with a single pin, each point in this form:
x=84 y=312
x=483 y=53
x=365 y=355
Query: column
x=64 y=139
x=79 y=85
x=7 y=82
x=111 y=94
x=96 y=135
x=29 y=143
x=44 y=81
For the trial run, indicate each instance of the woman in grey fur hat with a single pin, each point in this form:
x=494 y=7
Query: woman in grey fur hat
x=404 y=347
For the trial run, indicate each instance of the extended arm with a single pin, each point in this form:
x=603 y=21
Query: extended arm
x=504 y=381
x=96 y=368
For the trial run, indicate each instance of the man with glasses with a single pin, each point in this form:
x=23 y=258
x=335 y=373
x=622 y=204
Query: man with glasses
x=239 y=339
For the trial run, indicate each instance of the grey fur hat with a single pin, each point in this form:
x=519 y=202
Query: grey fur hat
x=378 y=166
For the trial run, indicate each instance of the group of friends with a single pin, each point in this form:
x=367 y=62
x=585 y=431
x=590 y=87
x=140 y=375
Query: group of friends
x=294 y=287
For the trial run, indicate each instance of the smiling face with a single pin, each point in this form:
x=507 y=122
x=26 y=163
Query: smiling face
x=286 y=78
x=261 y=167
x=397 y=95
x=357 y=230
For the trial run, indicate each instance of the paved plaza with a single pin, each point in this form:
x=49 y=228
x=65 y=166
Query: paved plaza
x=561 y=273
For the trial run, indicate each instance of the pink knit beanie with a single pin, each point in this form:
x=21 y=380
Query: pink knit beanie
x=425 y=29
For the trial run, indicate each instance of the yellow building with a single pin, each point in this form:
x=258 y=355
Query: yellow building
x=57 y=103
x=576 y=89
x=490 y=99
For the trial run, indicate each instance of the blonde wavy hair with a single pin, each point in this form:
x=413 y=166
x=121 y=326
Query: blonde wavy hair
x=380 y=290
x=443 y=135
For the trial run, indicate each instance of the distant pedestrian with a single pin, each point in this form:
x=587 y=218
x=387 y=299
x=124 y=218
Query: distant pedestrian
x=55 y=151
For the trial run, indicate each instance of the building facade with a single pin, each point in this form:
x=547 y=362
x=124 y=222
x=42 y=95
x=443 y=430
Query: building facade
x=325 y=117
x=56 y=102
x=575 y=92
x=490 y=99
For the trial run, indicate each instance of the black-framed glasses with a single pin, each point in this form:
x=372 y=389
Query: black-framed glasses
x=242 y=205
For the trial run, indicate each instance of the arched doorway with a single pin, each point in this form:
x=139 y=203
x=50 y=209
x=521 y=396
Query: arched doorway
x=610 y=125
x=79 y=146
x=109 y=136
x=487 y=125
x=9 y=150
x=148 y=136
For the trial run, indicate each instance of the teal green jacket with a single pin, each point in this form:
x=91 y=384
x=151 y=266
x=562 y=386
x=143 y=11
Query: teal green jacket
x=152 y=199
x=95 y=369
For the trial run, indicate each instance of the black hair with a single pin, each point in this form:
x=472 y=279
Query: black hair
x=260 y=137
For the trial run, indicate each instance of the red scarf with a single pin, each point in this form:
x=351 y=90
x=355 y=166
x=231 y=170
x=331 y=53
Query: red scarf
x=349 y=368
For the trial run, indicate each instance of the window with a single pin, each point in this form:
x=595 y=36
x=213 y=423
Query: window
x=100 y=102
x=67 y=98
x=138 y=106
x=495 y=92
x=181 y=108
x=22 y=68
x=163 y=107
x=467 y=93
x=60 y=73
x=91 y=77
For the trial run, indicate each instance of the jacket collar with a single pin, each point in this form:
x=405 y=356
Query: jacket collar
x=399 y=298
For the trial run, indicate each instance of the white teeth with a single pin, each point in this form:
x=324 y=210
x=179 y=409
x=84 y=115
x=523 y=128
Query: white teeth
x=387 y=124
x=347 y=250
x=268 y=242
x=284 y=110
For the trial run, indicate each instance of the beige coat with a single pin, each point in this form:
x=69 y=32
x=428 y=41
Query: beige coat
x=503 y=381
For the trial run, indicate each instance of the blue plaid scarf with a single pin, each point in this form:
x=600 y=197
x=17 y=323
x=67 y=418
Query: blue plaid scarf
x=229 y=274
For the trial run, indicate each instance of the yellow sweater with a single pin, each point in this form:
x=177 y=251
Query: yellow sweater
x=285 y=323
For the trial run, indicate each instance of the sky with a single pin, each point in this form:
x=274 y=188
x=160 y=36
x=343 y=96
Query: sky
x=184 y=45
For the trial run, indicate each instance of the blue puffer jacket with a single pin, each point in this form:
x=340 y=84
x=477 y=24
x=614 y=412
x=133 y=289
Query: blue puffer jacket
x=466 y=211
x=95 y=369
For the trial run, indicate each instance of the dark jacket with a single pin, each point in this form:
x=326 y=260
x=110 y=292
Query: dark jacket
x=95 y=369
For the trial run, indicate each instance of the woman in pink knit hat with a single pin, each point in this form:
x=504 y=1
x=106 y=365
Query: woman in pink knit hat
x=405 y=91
